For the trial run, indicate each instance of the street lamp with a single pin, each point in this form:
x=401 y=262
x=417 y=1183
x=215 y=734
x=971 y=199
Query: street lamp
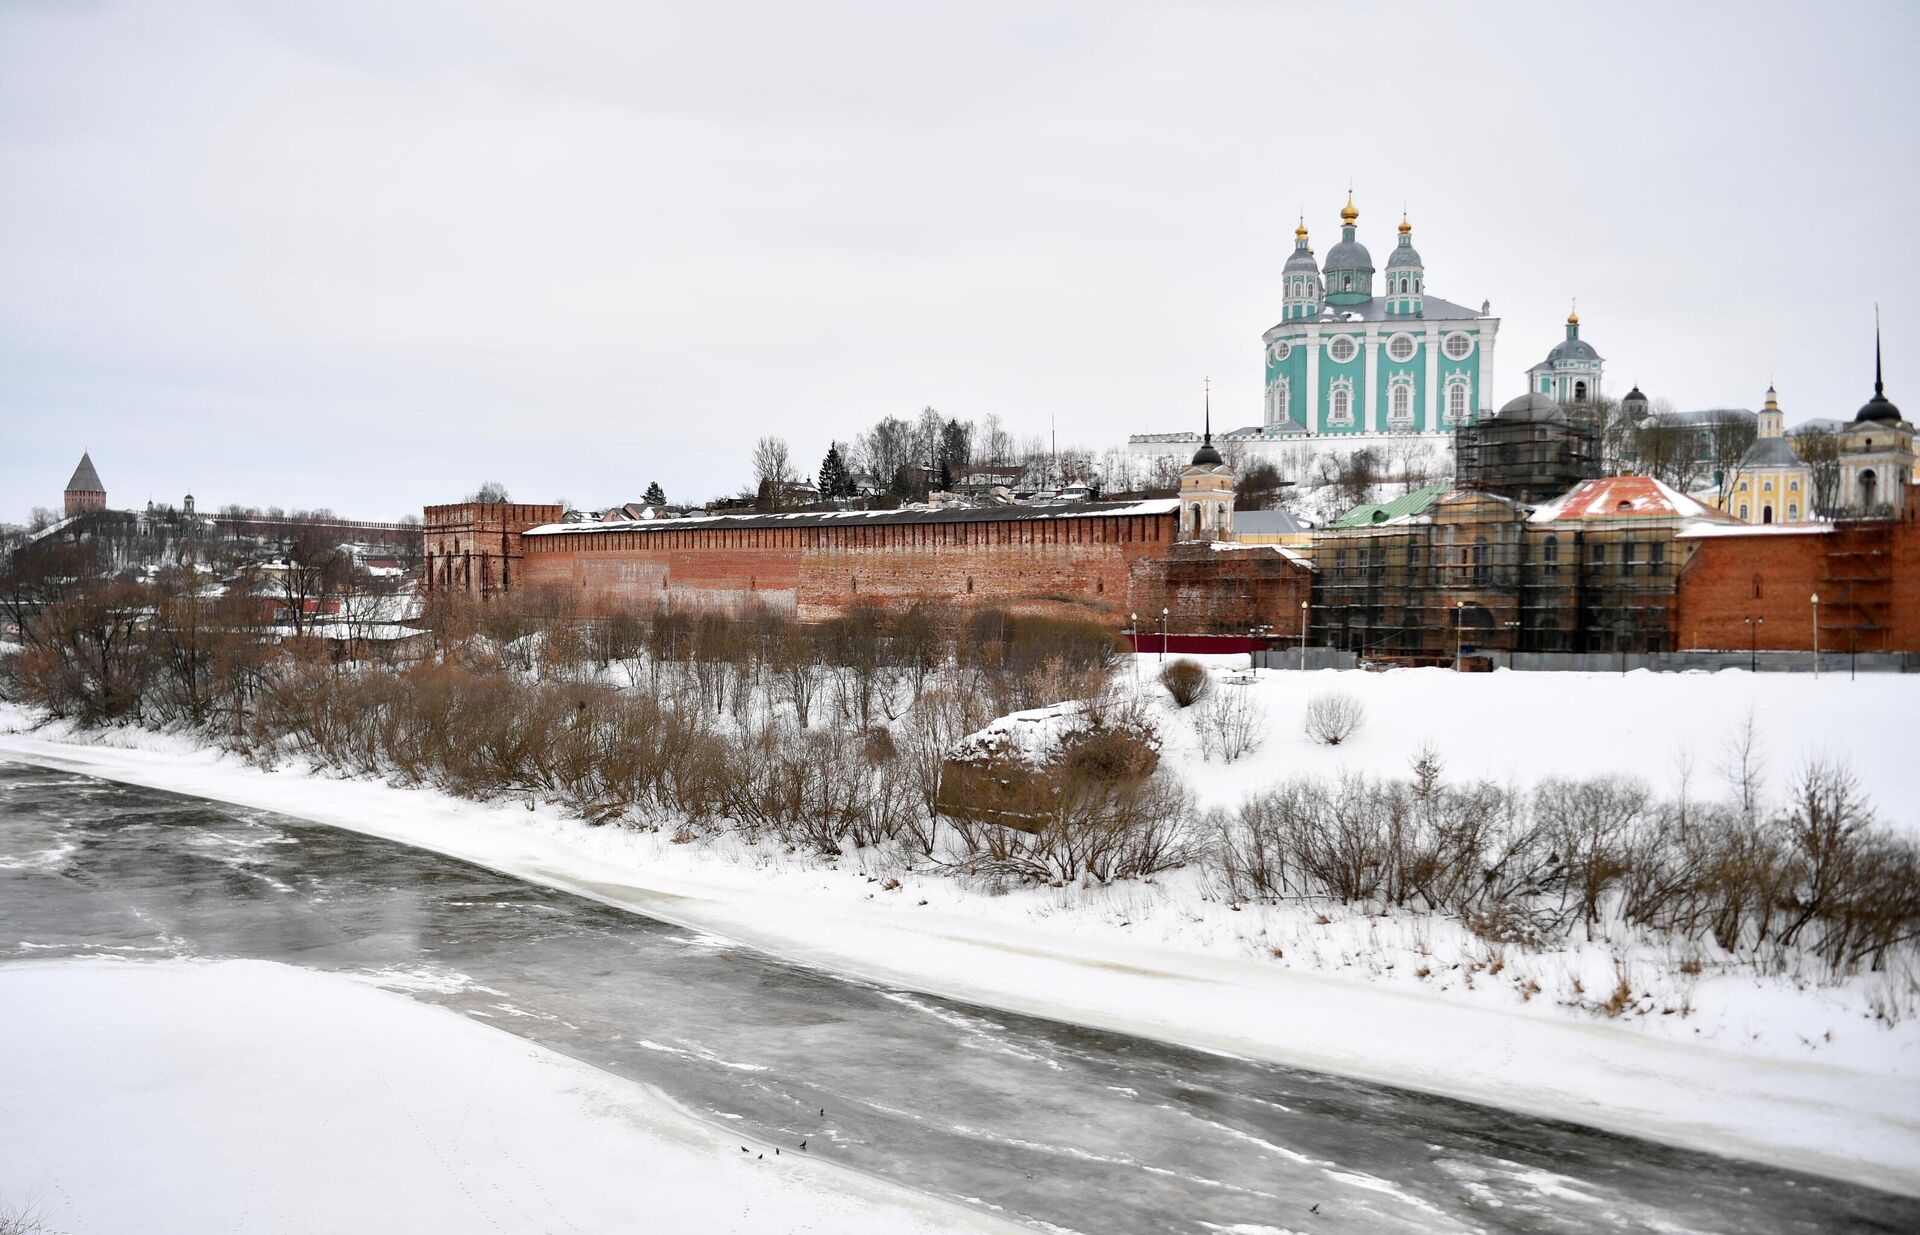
x=1303 y=636
x=1816 y=636
x=1163 y=634
x=1753 y=648
x=1133 y=638
x=1459 y=619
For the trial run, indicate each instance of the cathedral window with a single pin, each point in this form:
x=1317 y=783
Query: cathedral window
x=1457 y=401
x=1457 y=345
x=1400 y=403
x=1343 y=349
x=1340 y=404
x=1346 y=282
x=1401 y=347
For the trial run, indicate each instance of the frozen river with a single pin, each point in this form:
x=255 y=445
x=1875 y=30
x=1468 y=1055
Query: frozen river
x=1061 y=1127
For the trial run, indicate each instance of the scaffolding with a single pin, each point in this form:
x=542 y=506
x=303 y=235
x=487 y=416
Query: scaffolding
x=1476 y=575
x=1529 y=460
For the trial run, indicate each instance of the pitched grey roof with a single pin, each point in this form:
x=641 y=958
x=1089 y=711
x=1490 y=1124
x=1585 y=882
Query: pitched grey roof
x=1433 y=309
x=85 y=479
x=1770 y=452
x=1266 y=522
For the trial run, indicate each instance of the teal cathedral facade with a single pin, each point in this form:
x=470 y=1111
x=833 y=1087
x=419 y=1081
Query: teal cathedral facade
x=1364 y=352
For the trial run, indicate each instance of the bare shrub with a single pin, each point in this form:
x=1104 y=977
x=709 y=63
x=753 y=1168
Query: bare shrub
x=1333 y=718
x=1230 y=724
x=1186 y=680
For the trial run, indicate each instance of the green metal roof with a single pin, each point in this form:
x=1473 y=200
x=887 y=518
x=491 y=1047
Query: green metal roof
x=1379 y=512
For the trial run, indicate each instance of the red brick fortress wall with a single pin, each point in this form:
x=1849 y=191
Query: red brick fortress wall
x=1079 y=564
x=1865 y=571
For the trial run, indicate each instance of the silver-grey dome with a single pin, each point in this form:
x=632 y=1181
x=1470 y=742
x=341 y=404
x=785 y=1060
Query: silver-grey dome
x=1573 y=349
x=1534 y=406
x=1349 y=255
x=1404 y=255
x=1301 y=262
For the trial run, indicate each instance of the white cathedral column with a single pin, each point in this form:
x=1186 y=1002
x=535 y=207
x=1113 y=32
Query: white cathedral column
x=1432 y=342
x=1373 y=419
x=1484 y=395
x=1312 y=344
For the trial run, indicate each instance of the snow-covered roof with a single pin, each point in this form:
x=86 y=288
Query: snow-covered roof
x=1623 y=497
x=1714 y=531
x=1298 y=559
x=833 y=518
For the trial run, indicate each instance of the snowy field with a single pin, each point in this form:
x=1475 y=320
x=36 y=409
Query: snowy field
x=245 y=1096
x=1788 y=1068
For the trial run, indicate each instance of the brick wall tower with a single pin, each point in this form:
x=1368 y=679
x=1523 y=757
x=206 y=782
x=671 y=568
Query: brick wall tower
x=476 y=548
x=85 y=492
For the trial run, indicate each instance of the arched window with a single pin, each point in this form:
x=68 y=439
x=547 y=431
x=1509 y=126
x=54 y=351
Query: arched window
x=1580 y=391
x=1550 y=555
x=1400 y=402
x=1456 y=401
x=1340 y=404
x=1869 y=490
x=1743 y=510
x=1756 y=587
x=1766 y=514
x=1480 y=571
x=1196 y=516
x=1346 y=282
x=1793 y=512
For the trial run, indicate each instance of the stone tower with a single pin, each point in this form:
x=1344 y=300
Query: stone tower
x=85 y=492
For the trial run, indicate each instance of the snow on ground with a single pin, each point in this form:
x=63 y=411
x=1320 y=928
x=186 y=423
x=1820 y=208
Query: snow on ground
x=247 y=1096
x=1781 y=1068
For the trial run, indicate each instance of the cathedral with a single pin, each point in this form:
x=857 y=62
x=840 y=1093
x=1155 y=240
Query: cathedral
x=1344 y=361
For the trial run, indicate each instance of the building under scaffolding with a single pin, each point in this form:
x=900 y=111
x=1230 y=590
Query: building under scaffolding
x=1593 y=570
x=1533 y=451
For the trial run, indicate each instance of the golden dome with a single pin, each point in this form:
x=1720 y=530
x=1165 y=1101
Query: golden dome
x=1405 y=226
x=1300 y=232
x=1573 y=316
x=1347 y=212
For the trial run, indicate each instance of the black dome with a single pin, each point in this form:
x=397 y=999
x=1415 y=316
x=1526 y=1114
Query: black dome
x=1207 y=456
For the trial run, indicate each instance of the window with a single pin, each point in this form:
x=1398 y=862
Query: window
x=1658 y=560
x=1401 y=347
x=1793 y=512
x=1550 y=556
x=1342 y=348
x=1626 y=559
x=1743 y=510
x=1767 y=487
x=1457 y=345
x=1480 y=561
x=1346 y=282
x=1277 y=402
x=1400 y=402
x=1756 y=587
x=1282 y=350
x=1340 y=403
x=1456 y=401
x=1403 y=285
x=1580 y=391
x=1766 y=514
x=1793 y=486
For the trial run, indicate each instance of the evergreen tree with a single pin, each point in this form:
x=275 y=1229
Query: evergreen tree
x=655 y=495
x=835 y=480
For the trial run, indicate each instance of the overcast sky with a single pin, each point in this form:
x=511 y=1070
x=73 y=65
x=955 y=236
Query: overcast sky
x=365 y=256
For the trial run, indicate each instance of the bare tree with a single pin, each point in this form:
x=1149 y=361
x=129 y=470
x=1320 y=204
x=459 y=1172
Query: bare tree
x=1819 y=448
x=490 y=491
x=772 y=470
x=1333 y=718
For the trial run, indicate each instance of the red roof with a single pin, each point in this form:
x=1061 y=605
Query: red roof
x=1624 y=497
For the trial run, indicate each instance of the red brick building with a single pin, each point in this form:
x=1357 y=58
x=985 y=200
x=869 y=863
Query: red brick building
x=85 y=492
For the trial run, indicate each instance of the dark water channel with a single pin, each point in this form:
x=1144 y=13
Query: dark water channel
x=1062 y=1127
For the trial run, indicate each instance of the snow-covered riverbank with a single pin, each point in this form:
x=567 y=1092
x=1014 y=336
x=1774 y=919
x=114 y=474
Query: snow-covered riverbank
x=247 y=1096
x=1778 y=1068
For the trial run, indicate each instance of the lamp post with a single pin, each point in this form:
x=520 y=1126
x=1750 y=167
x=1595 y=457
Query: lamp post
x=1163 y=634
x=1459 y=620
x=1303 y=636
x=1753 y=643
x=1133 y=637
x=1816 y=636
